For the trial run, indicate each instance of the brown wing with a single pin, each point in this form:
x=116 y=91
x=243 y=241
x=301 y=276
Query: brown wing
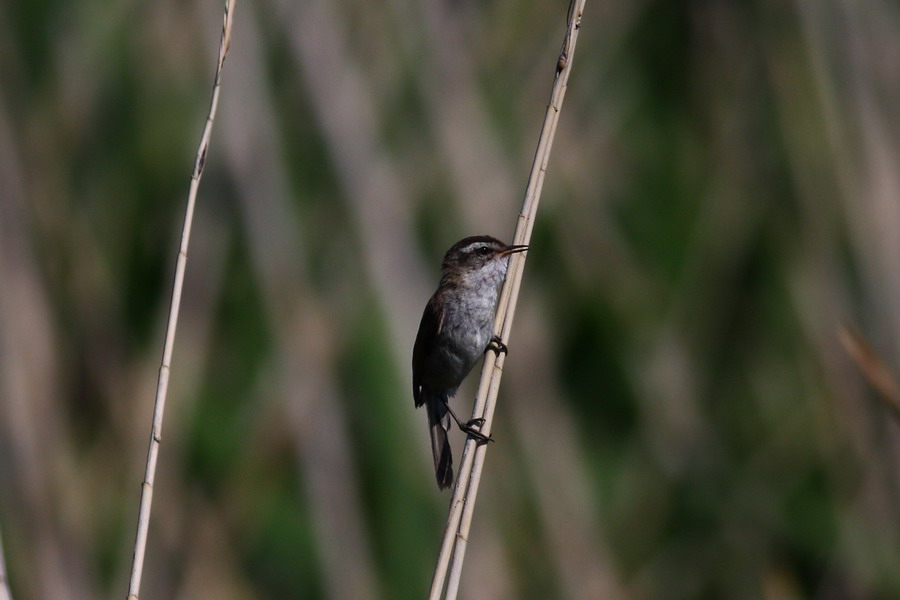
x=429 y=327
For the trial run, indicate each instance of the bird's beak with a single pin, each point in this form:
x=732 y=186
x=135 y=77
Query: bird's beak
x=513 y=250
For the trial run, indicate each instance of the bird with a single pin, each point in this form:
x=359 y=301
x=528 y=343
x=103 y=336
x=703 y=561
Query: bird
x=455 y=331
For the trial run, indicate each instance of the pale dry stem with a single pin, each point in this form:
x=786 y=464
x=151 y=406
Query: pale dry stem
x=873 y=367
x=462 y=504
x=5 y=594
x=140 y=544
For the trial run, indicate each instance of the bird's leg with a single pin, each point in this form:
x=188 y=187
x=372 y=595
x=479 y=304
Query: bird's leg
x=469 y=426
x=497 y=345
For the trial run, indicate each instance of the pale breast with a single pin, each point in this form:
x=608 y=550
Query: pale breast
x=469 y=320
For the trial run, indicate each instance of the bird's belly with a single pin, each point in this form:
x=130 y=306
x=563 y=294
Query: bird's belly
x=456 y=353
x=471 y=341
x=465 y=344
x=469 y=325
x=465 y=332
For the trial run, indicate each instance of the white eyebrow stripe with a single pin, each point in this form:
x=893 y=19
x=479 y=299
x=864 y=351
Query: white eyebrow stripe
x=470 y=247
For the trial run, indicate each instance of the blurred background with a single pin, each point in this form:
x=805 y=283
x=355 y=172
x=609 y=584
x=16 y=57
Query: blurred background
x=678 y=418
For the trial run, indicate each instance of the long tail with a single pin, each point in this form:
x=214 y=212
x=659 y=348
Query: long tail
x=439 y=425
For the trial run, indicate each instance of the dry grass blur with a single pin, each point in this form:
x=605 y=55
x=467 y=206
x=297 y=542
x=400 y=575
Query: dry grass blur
x=678 y=420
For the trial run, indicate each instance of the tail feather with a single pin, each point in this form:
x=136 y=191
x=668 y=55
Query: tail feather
x=439 y=425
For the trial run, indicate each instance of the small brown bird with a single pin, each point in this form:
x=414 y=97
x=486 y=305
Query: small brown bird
x=455 y=331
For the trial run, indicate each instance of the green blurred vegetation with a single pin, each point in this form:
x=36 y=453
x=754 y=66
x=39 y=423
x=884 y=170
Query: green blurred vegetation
x=678 y=418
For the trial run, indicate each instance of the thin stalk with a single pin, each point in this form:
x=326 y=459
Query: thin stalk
x=873 y=367
x=162 y=385
x=5 y=594
x=462 y=504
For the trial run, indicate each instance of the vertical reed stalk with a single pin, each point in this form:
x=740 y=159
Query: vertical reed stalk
x=5 y=594
x=462 y=504
x=162 y=386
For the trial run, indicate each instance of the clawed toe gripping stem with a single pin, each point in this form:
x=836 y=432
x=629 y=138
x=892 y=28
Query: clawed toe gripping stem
x=470 y=427
x=497 y=345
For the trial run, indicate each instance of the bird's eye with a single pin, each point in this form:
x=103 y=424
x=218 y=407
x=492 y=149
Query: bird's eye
x=484 y=250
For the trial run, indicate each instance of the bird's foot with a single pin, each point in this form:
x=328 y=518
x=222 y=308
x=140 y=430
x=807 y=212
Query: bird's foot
x=497 y=345
x=472 y=428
